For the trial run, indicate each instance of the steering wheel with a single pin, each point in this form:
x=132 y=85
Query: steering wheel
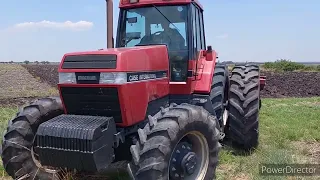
x=157 y=33
x=162 y=39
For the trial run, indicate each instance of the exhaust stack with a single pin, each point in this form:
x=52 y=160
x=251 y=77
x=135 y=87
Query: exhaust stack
x=109 y=13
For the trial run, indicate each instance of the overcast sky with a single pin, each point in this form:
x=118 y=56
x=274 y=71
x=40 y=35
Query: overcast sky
x=240 y=30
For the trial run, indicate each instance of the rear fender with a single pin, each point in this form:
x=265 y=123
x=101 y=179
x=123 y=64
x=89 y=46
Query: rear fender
x=205 y=71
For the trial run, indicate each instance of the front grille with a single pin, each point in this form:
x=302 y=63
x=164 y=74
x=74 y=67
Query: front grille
x=93 y=101
x=92 y=61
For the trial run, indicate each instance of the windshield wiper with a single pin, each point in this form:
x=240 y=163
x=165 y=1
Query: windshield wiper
x=165 y=17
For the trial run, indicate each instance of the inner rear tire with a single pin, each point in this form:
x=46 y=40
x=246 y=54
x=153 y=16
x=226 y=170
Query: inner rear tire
x=244 y=106
x=219 y=93
x=178 y=141
x=17 y=146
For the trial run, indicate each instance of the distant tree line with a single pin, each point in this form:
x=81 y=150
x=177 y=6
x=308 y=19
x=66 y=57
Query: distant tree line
x=36 y=62
x=26 y=62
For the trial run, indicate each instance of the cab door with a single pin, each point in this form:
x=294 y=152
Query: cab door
x=198 y=40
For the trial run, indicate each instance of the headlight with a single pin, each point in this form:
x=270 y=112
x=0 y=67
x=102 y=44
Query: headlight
x=113 y=78
x=105 y=78
x=67 y=78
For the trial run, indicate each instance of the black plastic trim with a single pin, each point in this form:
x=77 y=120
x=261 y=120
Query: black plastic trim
x=94 y=101
x=155 y=105
x=195 y=99
x=190 y=73
x=143 y=76
x=87 y=77
x=90 y=61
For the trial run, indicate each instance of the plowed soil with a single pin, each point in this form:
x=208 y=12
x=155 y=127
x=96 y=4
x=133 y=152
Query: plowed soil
x=291 y=84
x=46 y=73
x=279 y=85
x=17 y=86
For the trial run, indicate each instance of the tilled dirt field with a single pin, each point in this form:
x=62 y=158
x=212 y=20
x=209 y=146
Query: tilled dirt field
x=292 y=84
x=17 y=86
x=46 y=73
x=289 y=84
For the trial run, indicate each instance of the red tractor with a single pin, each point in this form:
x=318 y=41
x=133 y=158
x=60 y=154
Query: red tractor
x=158 y=99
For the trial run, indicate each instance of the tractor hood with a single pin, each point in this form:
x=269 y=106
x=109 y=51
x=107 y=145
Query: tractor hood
x=140 y=58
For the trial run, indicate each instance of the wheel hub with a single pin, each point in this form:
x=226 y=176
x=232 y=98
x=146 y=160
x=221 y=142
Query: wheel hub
x=183 y=162
x=189 y=163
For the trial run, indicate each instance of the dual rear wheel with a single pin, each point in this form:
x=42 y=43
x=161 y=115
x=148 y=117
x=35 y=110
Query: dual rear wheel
x=236 y=102
x=244 y=105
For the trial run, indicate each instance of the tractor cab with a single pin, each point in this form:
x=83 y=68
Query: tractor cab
x=174 y=24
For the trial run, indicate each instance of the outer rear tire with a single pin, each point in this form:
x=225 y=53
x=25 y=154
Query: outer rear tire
x=244 y=106
x=18 y=140
x=152 y=154
x=219 y=91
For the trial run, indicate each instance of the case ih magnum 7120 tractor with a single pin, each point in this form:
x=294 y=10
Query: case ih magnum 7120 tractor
x=159 y=99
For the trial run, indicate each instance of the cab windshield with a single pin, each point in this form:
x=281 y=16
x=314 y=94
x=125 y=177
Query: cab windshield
x=158 y=25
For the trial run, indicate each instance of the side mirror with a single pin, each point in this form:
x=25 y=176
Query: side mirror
x=209 y=54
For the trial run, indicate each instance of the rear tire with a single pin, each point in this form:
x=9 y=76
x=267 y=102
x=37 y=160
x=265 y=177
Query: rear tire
x=244 y=106
x=163 y=142
x=17 y=145
x=219 y=93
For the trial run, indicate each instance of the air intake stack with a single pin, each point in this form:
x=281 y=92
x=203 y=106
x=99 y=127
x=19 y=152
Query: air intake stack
x=109 y=13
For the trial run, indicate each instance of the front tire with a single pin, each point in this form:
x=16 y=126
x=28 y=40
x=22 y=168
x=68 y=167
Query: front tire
x=244 y=106
x=17 y=146
x=178 y=141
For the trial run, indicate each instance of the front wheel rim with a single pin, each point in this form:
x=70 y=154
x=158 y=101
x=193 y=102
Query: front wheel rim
x=39 y=165
x=190 y=158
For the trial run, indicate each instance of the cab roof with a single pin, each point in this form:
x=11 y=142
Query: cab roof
x=141 y=3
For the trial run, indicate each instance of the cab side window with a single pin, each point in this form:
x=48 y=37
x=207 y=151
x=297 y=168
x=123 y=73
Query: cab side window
x=198 y=31
x=194 y=29
x=203 y=40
